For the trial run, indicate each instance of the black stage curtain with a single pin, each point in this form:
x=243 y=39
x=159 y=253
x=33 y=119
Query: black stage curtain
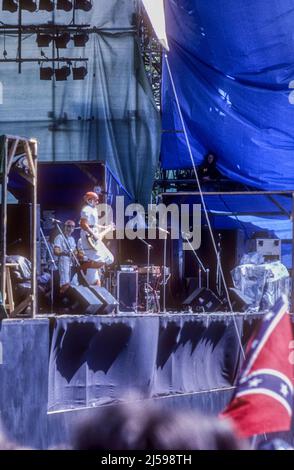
x=95 y=360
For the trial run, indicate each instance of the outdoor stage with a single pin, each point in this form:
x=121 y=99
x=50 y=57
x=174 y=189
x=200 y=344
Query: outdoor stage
x=56 y=369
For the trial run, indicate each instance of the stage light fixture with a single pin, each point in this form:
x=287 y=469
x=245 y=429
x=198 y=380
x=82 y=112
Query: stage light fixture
x=64 y=5
x=84 y=5
x=28 y=5
x=47 y=5
x=62 y=40
x=46 y=73
x=80 y=40
x=79 y=73
x=9 y=5
x=43 y=40
x=62 y=73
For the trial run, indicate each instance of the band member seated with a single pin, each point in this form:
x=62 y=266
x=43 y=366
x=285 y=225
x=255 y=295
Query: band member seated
x=92 y=235
x=64 y=246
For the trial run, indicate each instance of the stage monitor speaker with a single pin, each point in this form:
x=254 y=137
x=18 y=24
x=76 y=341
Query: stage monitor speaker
x=127 y=291
x=108 y=301
x=203 y=300
x=240 y=302
x=84 y=301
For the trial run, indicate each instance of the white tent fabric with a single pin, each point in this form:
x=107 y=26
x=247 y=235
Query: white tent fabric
x=110 y=115
x=155 y=11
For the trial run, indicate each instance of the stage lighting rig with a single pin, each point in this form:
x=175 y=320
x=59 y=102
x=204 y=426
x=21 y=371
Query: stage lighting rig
x=44 y=40
x=28 y=5
x=46 y=73
x=46 y=34
x=10 y=5
x=81 y=39
x=64 y=5
x=62 y=73
x=46 y=5
x=62 y=40
x=85 y=5
x=79 y=73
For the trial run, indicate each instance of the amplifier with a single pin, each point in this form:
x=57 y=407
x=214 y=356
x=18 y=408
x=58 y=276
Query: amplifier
x=153 y=270
x=128 y=268
x=270 y=248
x=127 y=291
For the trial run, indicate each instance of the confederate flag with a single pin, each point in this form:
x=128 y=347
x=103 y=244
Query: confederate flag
x=263 y=400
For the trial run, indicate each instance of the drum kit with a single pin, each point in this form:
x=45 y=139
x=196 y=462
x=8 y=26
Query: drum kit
x=150 y=284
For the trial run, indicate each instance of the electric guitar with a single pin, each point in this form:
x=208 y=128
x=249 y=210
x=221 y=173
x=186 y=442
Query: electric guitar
x=95 y=243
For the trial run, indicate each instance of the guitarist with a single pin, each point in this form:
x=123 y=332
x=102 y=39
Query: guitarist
x=96 y=253
x=62 y=243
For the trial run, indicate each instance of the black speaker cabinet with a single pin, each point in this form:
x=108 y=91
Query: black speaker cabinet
x=19 y=231
x=108 y=302
x=240 y=302
x=203 y=300
x=84 y=301
x=127 y=291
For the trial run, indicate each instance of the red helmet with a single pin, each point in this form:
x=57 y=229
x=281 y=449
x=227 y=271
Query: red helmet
x=91 y=195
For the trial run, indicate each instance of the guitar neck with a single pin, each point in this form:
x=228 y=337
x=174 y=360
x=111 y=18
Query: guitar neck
x=105 y=232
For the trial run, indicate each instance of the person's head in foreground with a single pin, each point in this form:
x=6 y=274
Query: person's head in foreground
x=144 y=426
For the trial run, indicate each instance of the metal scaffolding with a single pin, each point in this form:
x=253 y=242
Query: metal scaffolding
x=12 y=149
x=151 y=51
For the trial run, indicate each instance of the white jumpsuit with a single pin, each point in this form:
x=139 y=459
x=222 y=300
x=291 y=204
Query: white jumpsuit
x=64 y=262
x=102 y=254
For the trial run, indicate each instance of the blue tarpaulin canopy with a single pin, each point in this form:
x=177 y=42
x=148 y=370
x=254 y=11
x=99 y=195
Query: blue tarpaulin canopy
x=233 y=68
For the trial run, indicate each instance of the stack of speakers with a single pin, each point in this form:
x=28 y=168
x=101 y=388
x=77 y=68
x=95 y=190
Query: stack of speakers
x=91 y=300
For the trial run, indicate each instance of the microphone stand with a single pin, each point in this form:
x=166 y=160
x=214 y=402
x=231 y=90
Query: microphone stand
x=201 y=265
x=207 y=278
x=164 y=275
x=53 y=267
x=218 y=261
x=164 y=270
x=149 y=247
